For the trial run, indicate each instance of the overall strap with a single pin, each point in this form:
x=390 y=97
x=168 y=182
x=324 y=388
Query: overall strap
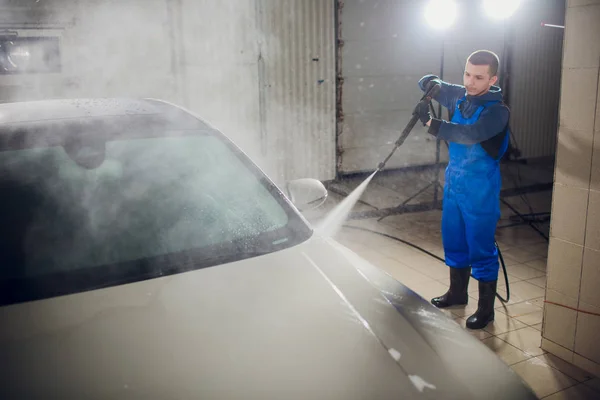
x=475 y=116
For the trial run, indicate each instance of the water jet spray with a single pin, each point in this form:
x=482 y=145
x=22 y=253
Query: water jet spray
x=336 y=218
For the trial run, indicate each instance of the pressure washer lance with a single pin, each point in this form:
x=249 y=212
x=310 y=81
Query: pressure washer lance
x=426 y=99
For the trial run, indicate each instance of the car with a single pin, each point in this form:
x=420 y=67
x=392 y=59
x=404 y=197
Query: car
x=145 y=256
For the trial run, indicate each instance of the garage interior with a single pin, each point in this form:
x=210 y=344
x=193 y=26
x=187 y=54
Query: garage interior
x=323 y=88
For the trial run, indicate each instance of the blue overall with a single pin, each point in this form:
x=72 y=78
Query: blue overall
x=471 y=205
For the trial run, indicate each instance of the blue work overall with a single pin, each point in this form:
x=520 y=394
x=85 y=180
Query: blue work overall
x=471 y=205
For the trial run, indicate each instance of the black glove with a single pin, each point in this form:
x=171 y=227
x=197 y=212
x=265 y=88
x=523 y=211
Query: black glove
x=425 y=116
x=422 y=111
x=434 y=127
x=430 y=82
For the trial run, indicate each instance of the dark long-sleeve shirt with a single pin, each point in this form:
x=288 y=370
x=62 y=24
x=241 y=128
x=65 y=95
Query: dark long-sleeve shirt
x=492 y=121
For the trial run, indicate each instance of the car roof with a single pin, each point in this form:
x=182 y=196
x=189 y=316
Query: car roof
x=33 y=118
x=33 y=111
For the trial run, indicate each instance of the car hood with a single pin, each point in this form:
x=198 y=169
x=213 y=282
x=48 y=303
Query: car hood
x=312 y=321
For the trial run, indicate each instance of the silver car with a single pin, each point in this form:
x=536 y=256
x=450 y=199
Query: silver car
x=144 y=256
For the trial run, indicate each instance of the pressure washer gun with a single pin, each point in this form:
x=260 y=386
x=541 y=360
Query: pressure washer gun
x=431 y=93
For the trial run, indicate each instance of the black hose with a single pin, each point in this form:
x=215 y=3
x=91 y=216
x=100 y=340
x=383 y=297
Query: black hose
x=396 y=238
x=439 y=258
x=505 y=277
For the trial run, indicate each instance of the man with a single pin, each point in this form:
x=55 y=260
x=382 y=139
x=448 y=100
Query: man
x=478 y=137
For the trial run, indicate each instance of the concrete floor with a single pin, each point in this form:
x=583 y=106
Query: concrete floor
x=515 y=335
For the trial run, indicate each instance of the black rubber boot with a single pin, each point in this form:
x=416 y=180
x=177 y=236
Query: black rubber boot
x=457 y=294
x=485 y=308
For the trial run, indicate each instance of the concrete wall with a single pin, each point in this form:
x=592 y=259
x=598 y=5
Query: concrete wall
x=297 y=78
x=224 y=60
x=535 y=76
x=388 y=45
x=108 y=48
x=569 y=331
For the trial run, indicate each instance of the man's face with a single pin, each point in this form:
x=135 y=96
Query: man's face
x=477 y=79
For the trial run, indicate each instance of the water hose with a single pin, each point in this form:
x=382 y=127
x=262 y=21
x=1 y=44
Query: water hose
x=439 y=258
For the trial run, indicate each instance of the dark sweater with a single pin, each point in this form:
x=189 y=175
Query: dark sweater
x=490 y=126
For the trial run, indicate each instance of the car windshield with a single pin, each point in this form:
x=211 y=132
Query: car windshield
x=82 y=216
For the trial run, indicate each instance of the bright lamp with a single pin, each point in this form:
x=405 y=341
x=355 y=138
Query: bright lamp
x=501 y=9
x=440 y=14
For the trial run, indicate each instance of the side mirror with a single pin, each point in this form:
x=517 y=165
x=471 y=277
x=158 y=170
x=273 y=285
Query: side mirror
x=306 y=194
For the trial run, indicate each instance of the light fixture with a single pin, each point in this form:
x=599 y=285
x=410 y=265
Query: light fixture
x=440 y=14
x=6 y=63
x=20 y=55
x=501 y=9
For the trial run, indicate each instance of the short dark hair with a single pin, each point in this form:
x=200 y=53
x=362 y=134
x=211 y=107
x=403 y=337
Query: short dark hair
x=485 y=57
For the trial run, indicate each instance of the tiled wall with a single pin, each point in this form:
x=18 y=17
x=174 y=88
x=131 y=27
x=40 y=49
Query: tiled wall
x=574 y=253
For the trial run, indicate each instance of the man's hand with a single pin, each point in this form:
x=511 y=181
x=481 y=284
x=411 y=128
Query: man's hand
x=423 y=111
x=425 y=116
x=432 y=82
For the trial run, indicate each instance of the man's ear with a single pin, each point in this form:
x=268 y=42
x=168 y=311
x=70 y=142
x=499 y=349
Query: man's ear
x=493 y=80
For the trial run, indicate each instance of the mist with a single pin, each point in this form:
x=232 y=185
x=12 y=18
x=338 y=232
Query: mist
x=260 y=71
x=223 y=60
